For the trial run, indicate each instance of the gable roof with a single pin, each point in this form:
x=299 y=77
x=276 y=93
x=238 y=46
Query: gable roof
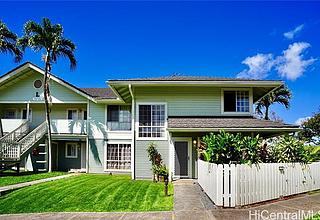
x=28 y=65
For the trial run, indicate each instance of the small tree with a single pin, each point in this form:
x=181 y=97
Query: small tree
x=155 y=159
x=311 y=129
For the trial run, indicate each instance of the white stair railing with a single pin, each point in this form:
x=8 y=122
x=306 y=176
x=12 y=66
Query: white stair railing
x=16 y=134
x=14 y=150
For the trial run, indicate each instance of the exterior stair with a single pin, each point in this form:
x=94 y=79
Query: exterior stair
x=16 y=144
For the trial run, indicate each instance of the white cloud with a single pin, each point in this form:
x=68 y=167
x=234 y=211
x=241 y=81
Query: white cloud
x=299 y=121
x=291 y=64
x=258 y=66
x=291 y=34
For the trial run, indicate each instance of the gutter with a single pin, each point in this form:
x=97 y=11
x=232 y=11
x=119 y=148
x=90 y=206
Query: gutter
x=233 y=129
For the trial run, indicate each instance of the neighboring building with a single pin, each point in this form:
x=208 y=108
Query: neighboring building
x=101 y=130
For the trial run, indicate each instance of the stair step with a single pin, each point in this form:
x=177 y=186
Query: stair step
x=41 y=170
x=42 y=145
x=41 y=161
x=42 y=153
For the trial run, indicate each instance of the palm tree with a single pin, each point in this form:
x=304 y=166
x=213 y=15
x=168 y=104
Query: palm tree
x=8 y=42
x=48 y=38
x=281 y=95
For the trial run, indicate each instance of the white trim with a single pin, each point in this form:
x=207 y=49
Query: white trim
x=244 y=83
x=115 y=142
x=235 y=90
x=66 y=150
x=189 y=141
x=165 y=122
x=87 y=136
x=30 y=116
x=41 y=102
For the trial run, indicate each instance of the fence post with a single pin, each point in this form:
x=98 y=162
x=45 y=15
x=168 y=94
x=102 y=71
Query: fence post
x=219 y=185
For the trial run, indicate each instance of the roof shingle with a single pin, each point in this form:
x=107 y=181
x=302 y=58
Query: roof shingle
x=100 y=93
x=225 y=122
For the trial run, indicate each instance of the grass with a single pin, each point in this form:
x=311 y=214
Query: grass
x=89 y=193
x=10 y=178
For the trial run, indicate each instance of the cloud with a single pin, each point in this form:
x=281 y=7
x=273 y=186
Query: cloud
x=299 y=121
x=291 y=64
x=259 y=66
x=291 y=34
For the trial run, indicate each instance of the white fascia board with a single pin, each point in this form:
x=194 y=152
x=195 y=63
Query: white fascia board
x=192 y=83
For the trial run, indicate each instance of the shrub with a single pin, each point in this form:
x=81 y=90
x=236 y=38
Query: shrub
x=314 y=153
x=288 y=149
x=224 y=148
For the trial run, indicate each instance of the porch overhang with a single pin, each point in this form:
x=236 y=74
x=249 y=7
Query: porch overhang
x=229 y=124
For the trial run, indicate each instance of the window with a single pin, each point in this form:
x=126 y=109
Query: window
x=71 y=150
x=73 y=114
x=152 y=121
x=37 y=84
x=10 y=113
x=236 y=101
x=24 y=114
x=119 y=118
x=118 y=157
x=85 y=114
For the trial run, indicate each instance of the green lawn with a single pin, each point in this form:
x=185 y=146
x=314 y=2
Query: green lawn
x=9 y=178
x=89 y=193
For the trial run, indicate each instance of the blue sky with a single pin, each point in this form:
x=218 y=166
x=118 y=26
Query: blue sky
x=271 y=40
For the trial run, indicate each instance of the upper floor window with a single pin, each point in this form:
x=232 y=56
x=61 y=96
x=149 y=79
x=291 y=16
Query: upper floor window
x=152 y=121
x=236 y=101
x=119 y=118
x=10 y=113
x=75 y=114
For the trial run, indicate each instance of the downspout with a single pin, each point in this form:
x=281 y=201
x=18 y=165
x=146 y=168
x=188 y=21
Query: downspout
x=87 y=138
x=132 y=133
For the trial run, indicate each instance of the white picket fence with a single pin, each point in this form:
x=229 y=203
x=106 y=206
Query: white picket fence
x=238 y=185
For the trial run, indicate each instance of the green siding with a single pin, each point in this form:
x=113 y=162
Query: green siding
x=183 y=101
x=21 y=89
x=96 y=155
x=65 y=164
x=97 y=121
x=142 y=163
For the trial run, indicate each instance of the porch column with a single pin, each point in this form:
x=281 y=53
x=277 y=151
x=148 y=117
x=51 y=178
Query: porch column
x=28 y=109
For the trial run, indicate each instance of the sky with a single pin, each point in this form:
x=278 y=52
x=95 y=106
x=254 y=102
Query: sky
x=261 y=40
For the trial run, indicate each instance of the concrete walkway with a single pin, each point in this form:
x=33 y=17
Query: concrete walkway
x=192 y=204
x=9 y=188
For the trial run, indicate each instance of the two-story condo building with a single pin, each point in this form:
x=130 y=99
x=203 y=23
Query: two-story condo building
x=102 y=130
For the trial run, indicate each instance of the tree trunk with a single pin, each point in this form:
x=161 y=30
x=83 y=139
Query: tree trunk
x=1 y=129
x=166 y=182
x=266 y=115
x=47 y=107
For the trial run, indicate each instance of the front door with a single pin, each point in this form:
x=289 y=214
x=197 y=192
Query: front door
x=181 y=158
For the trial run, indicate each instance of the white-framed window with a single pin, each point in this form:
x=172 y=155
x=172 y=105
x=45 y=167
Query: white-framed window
x=72 y=114
x=151 y=121
x=10 y=113
x=236 y=101
x=72 y=150
x=24 y=114
x=119 y=117
x=118 y=157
